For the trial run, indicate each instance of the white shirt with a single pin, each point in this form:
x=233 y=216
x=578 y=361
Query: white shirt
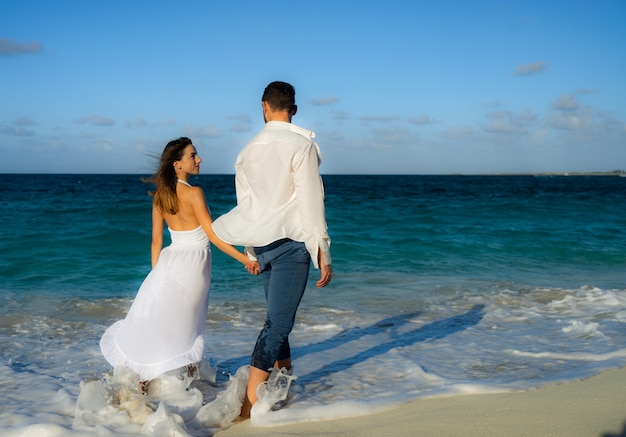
x=280 y=193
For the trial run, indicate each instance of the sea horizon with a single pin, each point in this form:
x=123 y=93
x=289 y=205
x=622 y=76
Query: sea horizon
x=531 y=173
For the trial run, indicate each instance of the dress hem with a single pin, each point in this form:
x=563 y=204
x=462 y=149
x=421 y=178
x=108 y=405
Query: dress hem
x=146 y=371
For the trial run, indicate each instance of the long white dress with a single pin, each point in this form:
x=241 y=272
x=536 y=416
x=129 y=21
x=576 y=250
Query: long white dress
x=164 y=327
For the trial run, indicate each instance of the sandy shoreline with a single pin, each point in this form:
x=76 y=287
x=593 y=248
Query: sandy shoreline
x=592 y=407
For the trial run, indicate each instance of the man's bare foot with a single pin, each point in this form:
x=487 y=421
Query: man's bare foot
x=245 y=408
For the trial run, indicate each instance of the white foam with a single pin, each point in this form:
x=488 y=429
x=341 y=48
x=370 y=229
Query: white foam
x=574 y=356
x=226 y=407
x=347 y=363
x=271 y=392
x=581 y=328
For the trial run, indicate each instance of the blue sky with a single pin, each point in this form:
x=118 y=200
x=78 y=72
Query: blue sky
x=415 y=87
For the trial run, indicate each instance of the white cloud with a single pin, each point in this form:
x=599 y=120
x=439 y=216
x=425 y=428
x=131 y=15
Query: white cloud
x=494 y=104
x=540 y=136
x=570 y=121
x=340 y=115
x=392 y=136
x=107 y=145
x=334 y=136
x=244 y=118
x=566 y=102
x=168 y=122
x=9 y=47
x=377 y=118
x=96 y=121
x=508 y=123
x=529 y=69
x=143 y=123
x=23 y=121
x=241 y=128
x=458 y=132
x=324 y=101
x=421 y=120
x=243 y=125
x=527 y=115
x=201 y=132
x=139 y=122
x=500 y=126
x=586 y=91
x=17 y=128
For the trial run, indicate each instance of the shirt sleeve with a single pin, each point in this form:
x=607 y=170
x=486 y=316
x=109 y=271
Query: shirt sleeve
x=242 y=190
x=309 y=191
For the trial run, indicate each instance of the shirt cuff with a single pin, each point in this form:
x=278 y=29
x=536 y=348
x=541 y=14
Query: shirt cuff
x=249 y=250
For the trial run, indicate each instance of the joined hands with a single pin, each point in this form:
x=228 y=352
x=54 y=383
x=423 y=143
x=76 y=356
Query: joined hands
x=252 y=267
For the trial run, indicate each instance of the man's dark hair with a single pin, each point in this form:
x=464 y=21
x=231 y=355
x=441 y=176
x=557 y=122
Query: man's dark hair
x=281 y=96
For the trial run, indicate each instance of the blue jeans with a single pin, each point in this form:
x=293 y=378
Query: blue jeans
x=284 y=268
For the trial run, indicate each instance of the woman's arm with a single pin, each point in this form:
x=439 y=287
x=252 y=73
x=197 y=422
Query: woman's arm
x=157 y=235
x=201 y=211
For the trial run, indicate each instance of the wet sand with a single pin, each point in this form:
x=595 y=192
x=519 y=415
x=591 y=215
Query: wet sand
x=592 y=407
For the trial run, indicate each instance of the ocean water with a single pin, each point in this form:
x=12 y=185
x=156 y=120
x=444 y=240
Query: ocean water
x=443 y=285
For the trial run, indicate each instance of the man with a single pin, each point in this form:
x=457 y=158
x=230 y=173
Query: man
x=280 y=218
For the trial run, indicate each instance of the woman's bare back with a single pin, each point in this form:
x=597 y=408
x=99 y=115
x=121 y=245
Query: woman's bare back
x=185 y=219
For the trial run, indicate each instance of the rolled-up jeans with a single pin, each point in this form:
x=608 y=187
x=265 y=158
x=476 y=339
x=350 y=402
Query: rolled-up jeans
x=284 y=268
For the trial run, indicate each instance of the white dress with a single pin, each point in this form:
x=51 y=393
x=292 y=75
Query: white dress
x=164 y=327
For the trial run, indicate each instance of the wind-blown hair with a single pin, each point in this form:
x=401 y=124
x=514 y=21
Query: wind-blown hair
x=281 y=96
x=165 y=179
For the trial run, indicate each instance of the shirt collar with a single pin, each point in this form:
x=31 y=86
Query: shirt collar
x=292 y=127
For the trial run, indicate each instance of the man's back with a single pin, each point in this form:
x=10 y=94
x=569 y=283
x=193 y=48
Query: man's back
x=270 y=162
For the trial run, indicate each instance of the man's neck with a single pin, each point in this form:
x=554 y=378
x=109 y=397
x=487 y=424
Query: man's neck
x=278 y=116
x=281 y=115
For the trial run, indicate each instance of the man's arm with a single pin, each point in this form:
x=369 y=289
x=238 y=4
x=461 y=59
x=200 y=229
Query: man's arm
x=310 y=197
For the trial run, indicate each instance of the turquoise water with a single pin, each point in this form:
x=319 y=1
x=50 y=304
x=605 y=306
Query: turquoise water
x=90 y=233
x=487 y=282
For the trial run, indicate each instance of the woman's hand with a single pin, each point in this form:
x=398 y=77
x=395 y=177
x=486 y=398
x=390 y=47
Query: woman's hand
x=252 y=267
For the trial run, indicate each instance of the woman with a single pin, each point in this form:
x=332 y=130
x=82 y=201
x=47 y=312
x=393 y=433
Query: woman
x=164 y=327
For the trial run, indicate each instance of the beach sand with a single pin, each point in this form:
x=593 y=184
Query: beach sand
x=593 y=407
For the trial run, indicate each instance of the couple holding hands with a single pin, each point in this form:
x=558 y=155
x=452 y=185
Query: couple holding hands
x=279 y=219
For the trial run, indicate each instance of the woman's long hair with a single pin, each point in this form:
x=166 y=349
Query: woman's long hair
x=165 y=179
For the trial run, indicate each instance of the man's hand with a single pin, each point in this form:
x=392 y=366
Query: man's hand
x=326 y=271
x=252 y=267
x=325 y=276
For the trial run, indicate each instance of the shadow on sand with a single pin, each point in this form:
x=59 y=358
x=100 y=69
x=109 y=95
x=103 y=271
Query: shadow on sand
x=432 y=331
x=621 y=434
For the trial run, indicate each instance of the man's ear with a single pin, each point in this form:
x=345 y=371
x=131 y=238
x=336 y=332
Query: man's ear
x=294 y=110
